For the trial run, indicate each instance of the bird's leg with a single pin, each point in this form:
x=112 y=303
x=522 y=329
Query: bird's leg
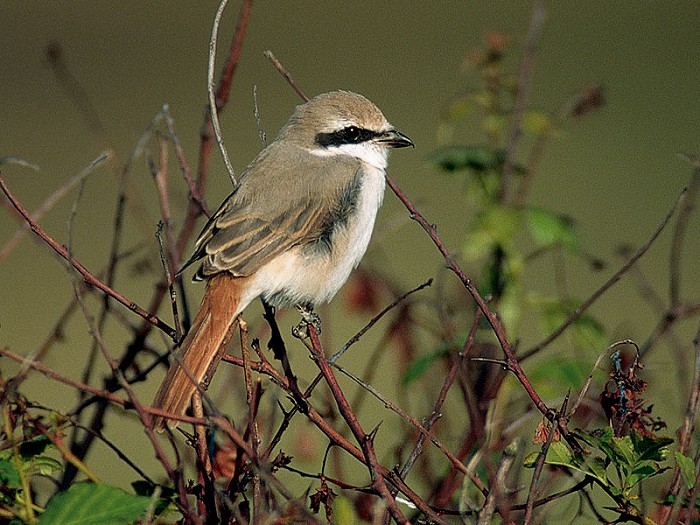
x=276 y=344
x=308 y=317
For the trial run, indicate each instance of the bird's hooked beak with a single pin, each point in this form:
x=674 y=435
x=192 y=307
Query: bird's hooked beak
x=394 y=139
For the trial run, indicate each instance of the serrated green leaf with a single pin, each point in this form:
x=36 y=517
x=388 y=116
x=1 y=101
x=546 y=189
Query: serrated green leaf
x=456 y=158
x=650 y=448
x=624 y=452
x=599 y=471
x=642 y=472
x=93 y=504
x=550 y=229
x=687 y=468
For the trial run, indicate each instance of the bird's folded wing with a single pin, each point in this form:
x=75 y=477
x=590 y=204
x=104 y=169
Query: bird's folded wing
x=240 y=241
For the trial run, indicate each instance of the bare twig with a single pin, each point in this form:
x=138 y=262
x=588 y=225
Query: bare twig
x=184 y=165
x=498 y=489
x=46 y=206
x=288 y=77
x=456 y=463
x=168 y=278
x=670 y=513
x=365 y=440
x=678 y=238
x=230 y=68
x=437 y=408
x=526 y=68
x=511 y=359
x=539 y=464
x=355 y=338
x=607 y=285
x=377 y=473
x=88 y=277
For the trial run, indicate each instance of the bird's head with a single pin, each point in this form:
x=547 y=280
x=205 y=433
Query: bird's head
x=344 y=123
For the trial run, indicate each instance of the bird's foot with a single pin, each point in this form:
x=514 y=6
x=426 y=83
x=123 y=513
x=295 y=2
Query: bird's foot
x=308 y=317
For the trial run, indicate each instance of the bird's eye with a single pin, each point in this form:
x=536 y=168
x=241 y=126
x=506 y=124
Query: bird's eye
x=346 y=135
x=352 y=133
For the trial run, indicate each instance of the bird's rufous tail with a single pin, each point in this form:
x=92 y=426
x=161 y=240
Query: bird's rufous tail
x=202 y=348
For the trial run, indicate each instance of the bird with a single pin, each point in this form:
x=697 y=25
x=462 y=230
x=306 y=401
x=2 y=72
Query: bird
x=296 y=224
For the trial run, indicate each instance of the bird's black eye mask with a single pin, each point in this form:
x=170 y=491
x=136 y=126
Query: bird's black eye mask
x=348 y=135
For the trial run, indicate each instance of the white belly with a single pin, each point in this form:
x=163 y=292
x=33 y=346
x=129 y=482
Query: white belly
x=299 y=276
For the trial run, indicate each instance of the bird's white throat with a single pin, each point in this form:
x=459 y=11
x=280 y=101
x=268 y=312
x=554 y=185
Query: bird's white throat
x=372 y=154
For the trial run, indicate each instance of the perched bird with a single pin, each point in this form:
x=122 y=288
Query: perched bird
x=292 y=230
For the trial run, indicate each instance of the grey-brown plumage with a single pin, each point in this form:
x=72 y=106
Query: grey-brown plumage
x=297 y=223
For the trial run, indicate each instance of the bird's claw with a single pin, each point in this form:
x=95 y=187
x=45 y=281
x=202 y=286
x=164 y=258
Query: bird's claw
x=308 y=317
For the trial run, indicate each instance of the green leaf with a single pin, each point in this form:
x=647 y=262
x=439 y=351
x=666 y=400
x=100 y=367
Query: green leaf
x=8 y=474
x=93 y=504
x=559 y=454
x=496 y=226
x=687 y=468
x=642 y=472
x=550 y=229
x=34 y=447
x=598 y=470
x=537 y=123
x=587 y=331
x=624 y=455
x=456 y=158
x=420 y=365
x=344 y=511
x=649 y=447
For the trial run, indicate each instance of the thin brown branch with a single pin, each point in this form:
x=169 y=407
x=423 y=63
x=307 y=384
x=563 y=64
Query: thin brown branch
x=288 y=77
x=526 y=68
x=456 y=463
x=679 y=235
x=184 y=165
x=379 y=474
x=607 y=285
x=512 y=360
x=227 y=74
x=365 y=440
x=539 y=464
x=442 y=396
x=669 y=514
x=222 y=96
x=251 y=402
x=86 y=275
x=46 y=206
x=160 y=176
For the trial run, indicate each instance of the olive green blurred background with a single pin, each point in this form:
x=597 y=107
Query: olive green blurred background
x=616 y=172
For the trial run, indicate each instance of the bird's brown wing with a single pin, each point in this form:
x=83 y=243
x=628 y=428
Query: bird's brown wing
x=271 y=211
x=240 y=240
